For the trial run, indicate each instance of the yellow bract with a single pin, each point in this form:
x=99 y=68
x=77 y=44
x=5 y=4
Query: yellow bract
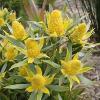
x=23 y=71
x=4 y=42
x=12 y=16
x=2 y=75
x=33 y=52
x=79 y=32
x=18 y=30
x=38 y=81
x=2 y=22
x=30 y=43
x=10 y=53
x=72 y=68
x=3 y=12
x=56 y=24
x=34 y=49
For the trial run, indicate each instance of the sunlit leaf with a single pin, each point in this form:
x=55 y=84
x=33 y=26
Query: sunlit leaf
x=58 y=88
x=17 y=86
x=51 y=63
x=19 y=64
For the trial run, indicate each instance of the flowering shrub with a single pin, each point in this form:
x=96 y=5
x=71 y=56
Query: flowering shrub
x=43 y=60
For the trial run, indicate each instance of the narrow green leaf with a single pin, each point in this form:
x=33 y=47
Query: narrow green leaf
x=19 y=64
x=70 y=49
x=4 y=97
x=33 y=96
x=51 y=63
x=4 y=67
x=58 y=88
x=67 y=58
x=10 y=28
x=59 y=97
x=2 y=36
x=51 y=46
x=39 y=96
x=17 y=86
x=47 y=70
x=85 y=81
x=50 y=8
x=16 y=42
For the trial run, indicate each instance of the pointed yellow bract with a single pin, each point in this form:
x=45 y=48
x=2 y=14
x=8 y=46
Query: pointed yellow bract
x=23 y=71
x=39 y=82
x=56 y=24
x=18 y=30
x=11 y=52
x=33 y=49
x=79 y=32
x=30 y=43
x=2 y=22
x=12 y=16
x=3 y=12
x=2 y=75
x=4 y=42
x=72 y=68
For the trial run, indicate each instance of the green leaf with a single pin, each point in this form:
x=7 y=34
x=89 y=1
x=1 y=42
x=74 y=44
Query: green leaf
x=13 y=41
x=51 y=63
x=4 y=67
x=17 y=86
x=10 y=28
x=39 y=96
x=16 y=42
x=2 y=36
x=50 y=8
x=59 y=97
x=67 y=58
x=76 y=92
x=3 y=97
x=58 y=88
x=91 y=45
x=19 y=64
x=47 y=70
x=51 y=46
x=85 y=81
x=88 y=34
x=70 y=49
x=33 y=96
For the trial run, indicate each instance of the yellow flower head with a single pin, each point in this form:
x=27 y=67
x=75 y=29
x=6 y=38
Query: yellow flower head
x=56 y=24
x=2 y=22
x=72 y=68
x=33 y=52
x=79 y=32
x=38 y=81
x=10 y=53
x=34 y=49
x=23 y=71
x=12 y=16
x=18 y=30
x=30 y=43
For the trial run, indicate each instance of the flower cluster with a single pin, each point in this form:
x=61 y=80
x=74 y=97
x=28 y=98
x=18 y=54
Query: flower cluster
x=36 y=51
x=6 y=16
